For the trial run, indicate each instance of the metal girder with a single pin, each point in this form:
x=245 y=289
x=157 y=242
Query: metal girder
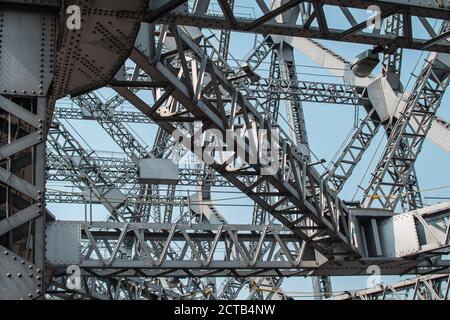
x=205 y=110
x=430 y=287
x=231 y=288
x=141 y=211
x=137 y=288
x=322 y=288
x=266 y=88
x=96 y=113
x=412 y=197
x=391 y=175
x=267 y=289
x=294 y=108
x=124 y=171
x=71 y=113
x=296 y=195
x=212 y=250
x=300 y=183
x=110 y=200
x=391 y=70
x=103 y=248
x=407 y=242
x=101 y=180
x=392 y=62
x=260 y=216
x=439 y=134
x=93 y=41
x=422 y=232
x=94 y=288
x=260 y=52
x=157 y=9
x=20 y=279
x=352 y=153
x=309 y=20
x=28 y=48
x=320 y=92
x=224 y=37
x=155 y=199
x=286 y=70
x=88 y=175
x=120 y=171
x=103 y=112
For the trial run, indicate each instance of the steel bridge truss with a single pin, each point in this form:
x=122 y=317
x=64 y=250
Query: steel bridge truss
x=326 y=19
x=183 y=83
x=431 y=287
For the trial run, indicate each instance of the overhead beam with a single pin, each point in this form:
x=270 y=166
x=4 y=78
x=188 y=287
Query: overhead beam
x=327 y=29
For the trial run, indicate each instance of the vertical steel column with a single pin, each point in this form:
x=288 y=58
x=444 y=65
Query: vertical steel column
x=27 y=56
x=392 y=172
x=322 y=287
x=391 y=70
x=224 y=41
x=294 y=106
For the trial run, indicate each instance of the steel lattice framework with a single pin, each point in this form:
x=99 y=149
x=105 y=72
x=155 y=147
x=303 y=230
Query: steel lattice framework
x=170 y=65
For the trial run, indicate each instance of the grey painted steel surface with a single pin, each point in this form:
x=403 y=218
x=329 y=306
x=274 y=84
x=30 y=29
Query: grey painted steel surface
x=20 y=279
x=322 y=229
x=88 y=58
x=390 y=177
x=158 y=171
x=429 y=287
x=111 y=257
x=301 y=18
x=159 y=71
x=27 y=65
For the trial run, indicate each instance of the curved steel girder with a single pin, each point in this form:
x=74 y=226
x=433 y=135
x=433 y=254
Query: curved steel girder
x=89 y=57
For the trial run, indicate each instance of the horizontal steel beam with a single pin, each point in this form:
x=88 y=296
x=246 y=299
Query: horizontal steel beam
x=430 y=287
x=125 y=171
x=298 y=209
x=202 y=249
x=146 y=249
x=320 y=24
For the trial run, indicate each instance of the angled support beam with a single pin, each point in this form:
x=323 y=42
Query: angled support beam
x=168 y=6
x=430 y=287
x=392 y=172
x=328 y=28
x=272 y=14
